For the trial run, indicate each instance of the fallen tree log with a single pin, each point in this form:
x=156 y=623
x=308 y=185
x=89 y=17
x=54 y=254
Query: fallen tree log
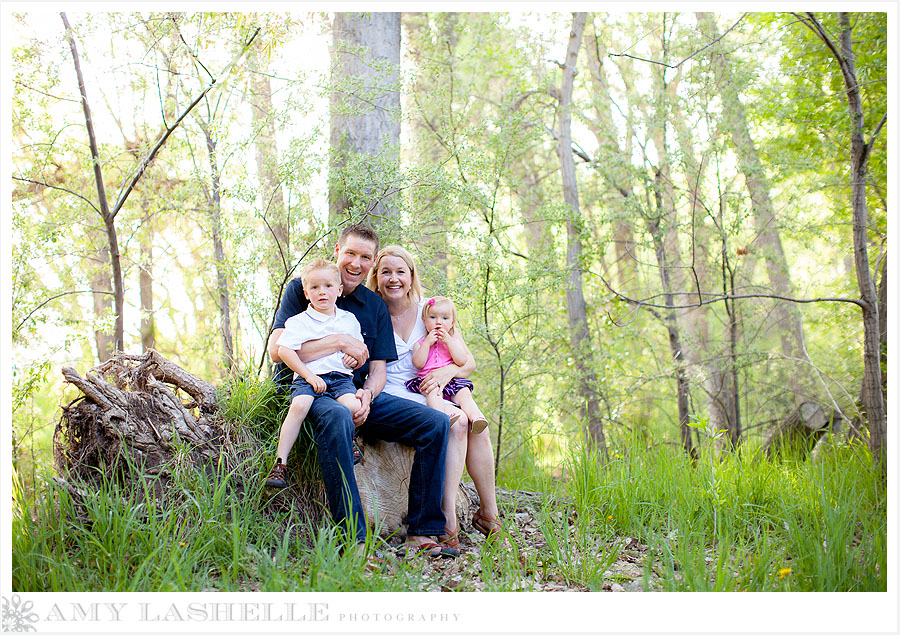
x=798 y=433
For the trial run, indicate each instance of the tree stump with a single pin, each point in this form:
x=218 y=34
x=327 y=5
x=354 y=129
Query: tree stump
x=132 y=408
x=383 y=481
x=797 y=434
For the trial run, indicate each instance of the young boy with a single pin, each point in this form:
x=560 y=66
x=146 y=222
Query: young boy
x=326 y=376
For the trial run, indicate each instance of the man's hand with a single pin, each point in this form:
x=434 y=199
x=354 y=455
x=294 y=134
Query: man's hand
x=355 y=352
x=365 y=399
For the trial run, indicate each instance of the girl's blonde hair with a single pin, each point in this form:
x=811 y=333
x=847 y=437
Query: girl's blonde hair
x=437 y=301
x=415 y=286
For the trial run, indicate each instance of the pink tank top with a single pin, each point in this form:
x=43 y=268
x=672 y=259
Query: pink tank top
x=438 y=357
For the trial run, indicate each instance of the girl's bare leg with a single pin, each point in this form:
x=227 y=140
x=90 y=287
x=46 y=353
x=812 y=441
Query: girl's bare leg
x=467 y=404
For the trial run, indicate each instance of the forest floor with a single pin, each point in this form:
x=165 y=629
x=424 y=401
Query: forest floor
x=538 y=567
x=465 y=572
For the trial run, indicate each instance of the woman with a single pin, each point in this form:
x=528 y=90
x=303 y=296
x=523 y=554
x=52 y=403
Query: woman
x=394 y=278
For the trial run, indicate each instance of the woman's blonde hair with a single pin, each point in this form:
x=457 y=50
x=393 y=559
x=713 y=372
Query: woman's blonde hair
x=439 y=300
x=415 y=286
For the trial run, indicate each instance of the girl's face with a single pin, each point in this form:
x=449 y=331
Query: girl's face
x=439 y=315
x=394 y=278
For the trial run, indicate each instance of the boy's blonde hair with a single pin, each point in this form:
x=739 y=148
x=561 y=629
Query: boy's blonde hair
x=440 y=300
x=318 y=264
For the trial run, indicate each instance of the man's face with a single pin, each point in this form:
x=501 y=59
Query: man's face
x=354 y=258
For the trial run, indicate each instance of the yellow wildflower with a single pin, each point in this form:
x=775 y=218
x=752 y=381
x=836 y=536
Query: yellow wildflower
x=782 y=573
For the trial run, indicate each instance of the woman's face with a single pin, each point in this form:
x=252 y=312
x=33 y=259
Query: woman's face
x=394 y=278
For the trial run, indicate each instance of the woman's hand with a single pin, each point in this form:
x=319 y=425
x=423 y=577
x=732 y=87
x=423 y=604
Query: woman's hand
x=437 y=379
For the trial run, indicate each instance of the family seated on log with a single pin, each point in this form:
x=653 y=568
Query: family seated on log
x=372 y=356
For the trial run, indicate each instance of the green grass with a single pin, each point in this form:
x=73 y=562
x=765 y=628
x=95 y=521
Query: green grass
x=740 y=523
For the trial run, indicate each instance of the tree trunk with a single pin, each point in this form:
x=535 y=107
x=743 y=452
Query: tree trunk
x=768 y=242
x=365 y=114
x=215 y=206
x=872 y=396
x=882 y=321
x=575 y=304
x=107 y=216
x=663 y=228
x=606 y=133
x=706 y=360
x=277 y=255
x=148 y=325
x=106 y=343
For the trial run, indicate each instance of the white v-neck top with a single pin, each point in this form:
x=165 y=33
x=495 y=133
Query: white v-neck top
x=402 y=370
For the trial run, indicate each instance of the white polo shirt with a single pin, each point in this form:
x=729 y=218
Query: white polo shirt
x=313 y=325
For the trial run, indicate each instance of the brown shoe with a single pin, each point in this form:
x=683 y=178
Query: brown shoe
x=486 y=525
x=478 y=426
x=449 y=539
x=279 y=475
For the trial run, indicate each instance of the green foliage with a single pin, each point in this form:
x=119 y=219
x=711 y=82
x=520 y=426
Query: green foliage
x=479 y=203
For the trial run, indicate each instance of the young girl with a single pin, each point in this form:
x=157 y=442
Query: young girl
x=441 y=347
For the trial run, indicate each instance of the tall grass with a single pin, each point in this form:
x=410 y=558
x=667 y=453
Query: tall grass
x=742 y=522
x=736 y=523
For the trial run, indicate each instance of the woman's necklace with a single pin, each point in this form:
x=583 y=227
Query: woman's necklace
x=397 y=317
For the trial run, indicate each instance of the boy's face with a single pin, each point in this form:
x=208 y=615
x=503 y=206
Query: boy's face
x=354 y=259
x=322 y=289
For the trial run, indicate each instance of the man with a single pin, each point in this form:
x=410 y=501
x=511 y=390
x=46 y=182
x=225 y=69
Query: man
x=381 y=415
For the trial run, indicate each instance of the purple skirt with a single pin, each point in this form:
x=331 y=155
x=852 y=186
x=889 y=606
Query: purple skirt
x=453 y=386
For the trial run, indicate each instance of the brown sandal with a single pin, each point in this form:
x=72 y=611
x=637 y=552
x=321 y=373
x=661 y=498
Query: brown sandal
x=486 y=525
x=450 y=539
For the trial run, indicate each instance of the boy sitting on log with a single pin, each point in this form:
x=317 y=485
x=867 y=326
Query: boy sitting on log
x=327 y=376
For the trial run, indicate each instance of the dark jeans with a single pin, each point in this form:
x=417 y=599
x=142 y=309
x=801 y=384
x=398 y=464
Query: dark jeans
x=390 y=419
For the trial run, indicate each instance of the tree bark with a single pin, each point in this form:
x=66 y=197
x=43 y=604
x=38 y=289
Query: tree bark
x=872 y=396
x=103 y=302
x=215 y=219
x=148 y=323
x=575 y=304
x=382 y=478
x=277 y=255
x=365 y=113
x=107 y=216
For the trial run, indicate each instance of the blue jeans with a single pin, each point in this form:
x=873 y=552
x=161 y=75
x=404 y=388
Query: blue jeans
x=390 y=419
